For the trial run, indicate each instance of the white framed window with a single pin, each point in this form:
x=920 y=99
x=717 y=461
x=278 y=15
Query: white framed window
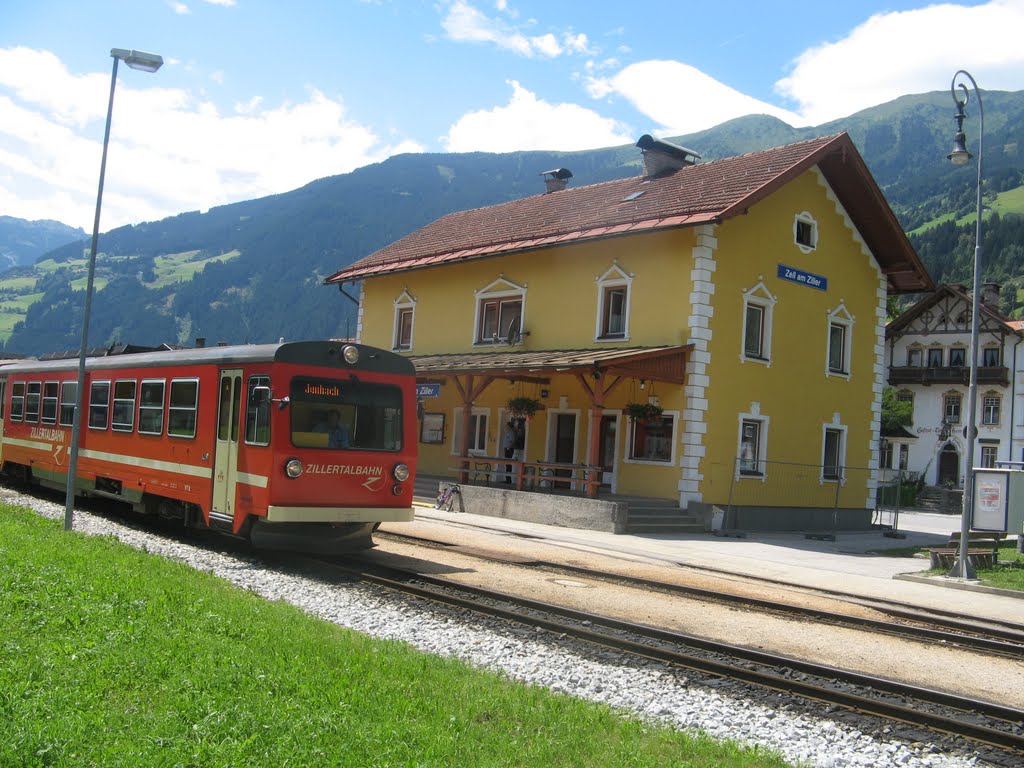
x=957 y=356
x=833 y=455
x=805 y=232
x=653 y=441
x=613 y=292
x=951 y=407
x=915 y=357
x=51 y=391
x=758 y=310
x=151 y=406
x=500 y=311
x=32 y=401
x=99 y=404
x=990 y=357
x=17 y=401
x=68 y=403
x=990 y=407
x=123 y=417
x=935 y=355
x=478 y=422
x=405 y=312
x=183 y=404
x=840 y=342
x=752 y=445
x=989 y=454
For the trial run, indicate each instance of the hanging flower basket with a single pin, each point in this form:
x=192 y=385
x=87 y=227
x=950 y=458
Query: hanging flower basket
x=523 y=407
x=643 y=411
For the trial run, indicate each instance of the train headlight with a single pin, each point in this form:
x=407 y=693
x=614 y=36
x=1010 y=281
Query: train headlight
x=401 y=472
x=293 y=468
x=351 y=354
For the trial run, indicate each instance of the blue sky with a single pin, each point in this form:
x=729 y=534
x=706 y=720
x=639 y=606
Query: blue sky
x=258 y=97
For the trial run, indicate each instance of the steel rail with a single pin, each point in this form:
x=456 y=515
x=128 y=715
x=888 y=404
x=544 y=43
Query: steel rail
x=446 y=592
x=1004 y=641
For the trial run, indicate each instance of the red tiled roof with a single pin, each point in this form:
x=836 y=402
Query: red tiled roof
x=697 y=194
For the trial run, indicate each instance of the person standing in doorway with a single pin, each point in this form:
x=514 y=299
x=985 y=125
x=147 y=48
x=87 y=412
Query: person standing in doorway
x=519 y=454
x=508 y=447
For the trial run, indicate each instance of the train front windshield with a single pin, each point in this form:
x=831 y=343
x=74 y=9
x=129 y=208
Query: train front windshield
x=345 y=414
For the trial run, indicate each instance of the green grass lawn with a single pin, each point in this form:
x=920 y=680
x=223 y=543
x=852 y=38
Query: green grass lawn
x=114 y=657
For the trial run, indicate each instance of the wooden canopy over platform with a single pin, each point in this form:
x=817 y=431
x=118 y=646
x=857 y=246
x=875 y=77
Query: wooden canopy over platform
x=599 y=372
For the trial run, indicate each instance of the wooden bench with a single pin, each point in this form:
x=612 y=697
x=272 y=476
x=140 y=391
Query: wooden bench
x=982 y=549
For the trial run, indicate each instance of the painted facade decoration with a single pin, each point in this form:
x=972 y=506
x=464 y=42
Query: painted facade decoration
x=927 y=359
x=743 y=297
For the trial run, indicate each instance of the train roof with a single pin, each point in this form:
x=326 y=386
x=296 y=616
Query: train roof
x=313 y=353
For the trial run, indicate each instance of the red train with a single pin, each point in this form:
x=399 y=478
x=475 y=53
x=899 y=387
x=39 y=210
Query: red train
x=304 y=445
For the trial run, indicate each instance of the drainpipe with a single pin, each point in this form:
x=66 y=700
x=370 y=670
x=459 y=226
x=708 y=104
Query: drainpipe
x=347 y=295
x=1013 y=399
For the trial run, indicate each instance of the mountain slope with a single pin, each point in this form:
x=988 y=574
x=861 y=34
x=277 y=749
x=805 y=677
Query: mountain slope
x=22 y=242
x=245 y=269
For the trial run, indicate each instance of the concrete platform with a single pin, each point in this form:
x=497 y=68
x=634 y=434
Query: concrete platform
x=846 y=565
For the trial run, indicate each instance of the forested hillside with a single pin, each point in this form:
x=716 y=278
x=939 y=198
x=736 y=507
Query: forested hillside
x=253 y=271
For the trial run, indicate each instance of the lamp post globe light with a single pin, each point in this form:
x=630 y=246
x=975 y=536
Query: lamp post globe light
x=145 y=62
x=959 y=155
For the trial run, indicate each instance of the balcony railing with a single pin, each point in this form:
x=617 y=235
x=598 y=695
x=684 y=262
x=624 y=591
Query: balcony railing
x=997 y=374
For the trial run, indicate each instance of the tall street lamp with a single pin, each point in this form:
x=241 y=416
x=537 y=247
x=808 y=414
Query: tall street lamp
x=960 y=156
x=146 y=62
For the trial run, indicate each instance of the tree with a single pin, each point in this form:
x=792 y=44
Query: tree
x=896 y=413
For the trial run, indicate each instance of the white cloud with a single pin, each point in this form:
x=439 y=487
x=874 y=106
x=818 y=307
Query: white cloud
x=224 y=3
x=892 y=54
x=169 y=150
x=680 y=98
x=179 y=8
x=466 y=24
x=527 y=122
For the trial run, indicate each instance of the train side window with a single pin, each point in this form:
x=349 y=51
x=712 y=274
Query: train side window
x=3 y=395
x=184 y=401
x=123 y=416
x=68 y=403
x=32 y=401
x=257 y=411
x=151 y=407
x=18 y=401
x=50 y=392
x=99 y=404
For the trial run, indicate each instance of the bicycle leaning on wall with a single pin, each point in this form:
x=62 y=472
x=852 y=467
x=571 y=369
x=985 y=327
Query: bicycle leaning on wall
x=446 y=496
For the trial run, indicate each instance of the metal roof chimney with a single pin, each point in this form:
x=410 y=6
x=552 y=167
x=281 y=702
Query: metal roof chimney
x=661 y=157
x=556 y=179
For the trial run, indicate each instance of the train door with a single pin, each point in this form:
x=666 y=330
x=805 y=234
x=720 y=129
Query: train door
x=225 y=466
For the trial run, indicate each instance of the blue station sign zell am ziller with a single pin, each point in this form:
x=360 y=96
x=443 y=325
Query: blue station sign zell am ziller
x=809 y=279
x=428 y=390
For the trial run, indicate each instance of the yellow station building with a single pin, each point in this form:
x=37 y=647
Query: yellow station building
x=710 y=333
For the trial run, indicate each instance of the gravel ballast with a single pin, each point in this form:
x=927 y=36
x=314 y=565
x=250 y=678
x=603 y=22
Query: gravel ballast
x=655 y=691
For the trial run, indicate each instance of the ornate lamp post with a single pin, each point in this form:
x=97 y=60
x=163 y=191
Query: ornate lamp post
x=146 y=62
x=960 y=156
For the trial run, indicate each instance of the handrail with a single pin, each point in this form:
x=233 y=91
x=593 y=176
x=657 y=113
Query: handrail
x=591 y=479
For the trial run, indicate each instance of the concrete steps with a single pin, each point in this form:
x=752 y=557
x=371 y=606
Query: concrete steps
x=653 y=516
x=939 y=500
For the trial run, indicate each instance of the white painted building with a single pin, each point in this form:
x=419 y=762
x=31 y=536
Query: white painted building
x=926 y=351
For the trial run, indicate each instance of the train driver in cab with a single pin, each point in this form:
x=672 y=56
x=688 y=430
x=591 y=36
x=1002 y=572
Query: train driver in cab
x=337 y=432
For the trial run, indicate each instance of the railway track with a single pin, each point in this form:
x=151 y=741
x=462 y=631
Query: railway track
x=909 y=622
x=985 y=723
